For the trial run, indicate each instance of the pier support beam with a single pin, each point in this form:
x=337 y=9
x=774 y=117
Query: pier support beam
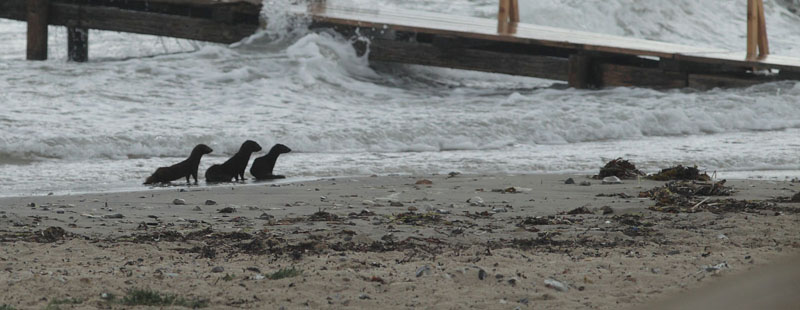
x=757 y=43
x=77 y=44
x=37 y=14
x=579 y=71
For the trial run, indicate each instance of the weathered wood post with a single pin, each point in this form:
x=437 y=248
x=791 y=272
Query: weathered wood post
x=507 y=16
x=757 y=43
x=579 y=71
x=38 y=11
x=77 y=44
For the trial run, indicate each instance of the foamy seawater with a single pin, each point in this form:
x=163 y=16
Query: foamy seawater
x=142 y=102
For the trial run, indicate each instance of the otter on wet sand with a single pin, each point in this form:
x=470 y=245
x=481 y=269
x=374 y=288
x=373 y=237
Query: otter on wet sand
x=262 y=166
x=234 y=167
x=185 y=168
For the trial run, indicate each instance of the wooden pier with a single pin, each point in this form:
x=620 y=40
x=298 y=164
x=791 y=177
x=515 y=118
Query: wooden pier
x=583 y=59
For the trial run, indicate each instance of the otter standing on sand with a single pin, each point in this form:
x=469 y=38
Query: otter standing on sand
x=234 y=167
x=262 y=166
x=185 y=168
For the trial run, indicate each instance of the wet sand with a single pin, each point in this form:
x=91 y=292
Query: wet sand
x=389 y=242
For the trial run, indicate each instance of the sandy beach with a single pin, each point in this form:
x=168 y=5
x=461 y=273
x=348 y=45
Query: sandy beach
x=390 y=242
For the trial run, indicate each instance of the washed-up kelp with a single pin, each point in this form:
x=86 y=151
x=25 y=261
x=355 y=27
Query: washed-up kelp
x=683 y=192
x=718 y=206
x=679 y=172
x=620 y=168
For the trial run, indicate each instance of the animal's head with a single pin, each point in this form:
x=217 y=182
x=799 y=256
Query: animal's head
x=280 y=149
x=202 y=149
x=250 y=146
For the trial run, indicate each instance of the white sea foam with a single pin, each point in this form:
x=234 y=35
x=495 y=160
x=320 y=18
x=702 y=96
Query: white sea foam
x=143 y=102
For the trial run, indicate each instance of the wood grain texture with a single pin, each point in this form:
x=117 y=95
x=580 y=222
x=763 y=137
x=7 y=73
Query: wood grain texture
x=620 y=75
x=113 y=19
x=763 y=43
x=469 y=59
x=37 y=16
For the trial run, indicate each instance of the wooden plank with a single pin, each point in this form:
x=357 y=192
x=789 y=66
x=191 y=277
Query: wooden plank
x=13 y=9
x=707 y=81
x=469 y=59
x=620 y=75
x=38 y=12
x=579 y=71
x=77 y=44
x=114 y=19
x=481 y=28
x=739 y=59
x=206 y=2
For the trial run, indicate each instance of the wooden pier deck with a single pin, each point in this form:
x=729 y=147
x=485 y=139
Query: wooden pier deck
x=583 y=59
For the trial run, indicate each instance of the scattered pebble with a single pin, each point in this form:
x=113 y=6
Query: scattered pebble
x=556 y=285
x=266 y=217
x=364 y=296
x=499 y=210
x=226 y=210
x=717 y=267
x=218 y=269
x=655 y=270
x=197 y=208
x=481 y=274
x=606 y=210
x=585 y=183
x=412 y=208
x=612 y=180
x=395 y=204
x=179 y=201
x=114 y=216
x=424 y=270
x=210 y=202
x=569 y=181
x=424 y=182
x=475 y=201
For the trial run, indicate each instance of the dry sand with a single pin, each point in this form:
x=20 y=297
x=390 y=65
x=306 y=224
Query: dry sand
x=390 y=243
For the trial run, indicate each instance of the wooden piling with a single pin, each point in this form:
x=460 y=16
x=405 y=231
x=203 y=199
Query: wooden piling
x=763 y=43
x=77 y=44
x=502 y=16
x=579 y=71
x=507 y=16
x=37 y=14
x=757 y=43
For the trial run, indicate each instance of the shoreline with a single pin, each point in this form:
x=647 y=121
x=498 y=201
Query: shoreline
x=769 y=175
x=394 y=241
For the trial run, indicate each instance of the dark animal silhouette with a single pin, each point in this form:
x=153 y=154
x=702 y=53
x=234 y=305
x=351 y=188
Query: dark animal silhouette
x=185 y=168
x=234 y=167
x=262 y=166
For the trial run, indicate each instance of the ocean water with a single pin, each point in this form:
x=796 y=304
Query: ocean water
x=142 y=102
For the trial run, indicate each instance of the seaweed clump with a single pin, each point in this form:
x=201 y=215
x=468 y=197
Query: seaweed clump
x=679 y=172
x=620 y=168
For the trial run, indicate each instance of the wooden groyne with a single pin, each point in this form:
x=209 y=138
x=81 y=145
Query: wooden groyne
x=505 y=45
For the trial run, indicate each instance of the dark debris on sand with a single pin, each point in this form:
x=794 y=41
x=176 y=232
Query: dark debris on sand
x=679 y=172
x=684 y=192
x=620 y=168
